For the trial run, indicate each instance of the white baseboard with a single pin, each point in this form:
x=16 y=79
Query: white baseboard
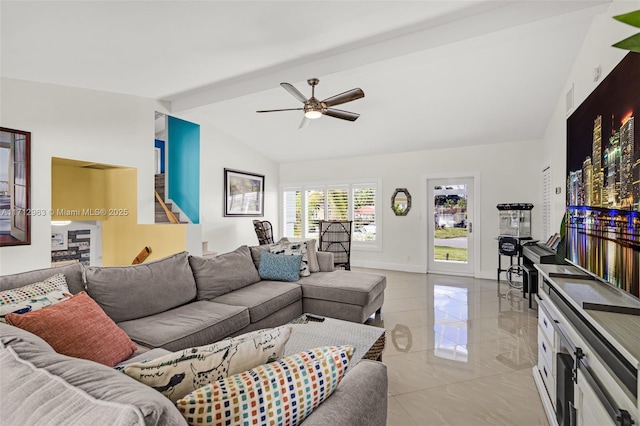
x=419 y=269
x=544 y=397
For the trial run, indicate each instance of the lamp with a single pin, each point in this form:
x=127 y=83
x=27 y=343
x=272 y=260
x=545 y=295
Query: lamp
x=312 y=114
x=60 y=222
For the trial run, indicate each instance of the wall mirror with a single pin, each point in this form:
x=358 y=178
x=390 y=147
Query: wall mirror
x=401 y=202
x=15 y=212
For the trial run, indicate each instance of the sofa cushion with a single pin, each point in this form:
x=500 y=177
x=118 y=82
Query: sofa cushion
x=348 y=405
x=263 y=298
x=78 y=327
x=224 y=273
x=195 y=324
x=131 y=292
x=355 y=288
x=279 y=267
x=283 y=392
x=33 y=396
x=178 y=373
x=34 y=296
x=97 y=380
x=72 y=275
x=256 y=252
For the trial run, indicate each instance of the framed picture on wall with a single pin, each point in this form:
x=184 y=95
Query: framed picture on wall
x=243 y=193
x=15 y=187
x=59 y=241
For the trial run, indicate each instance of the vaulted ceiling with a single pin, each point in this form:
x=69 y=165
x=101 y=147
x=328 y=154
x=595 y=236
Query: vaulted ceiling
x=435 y=73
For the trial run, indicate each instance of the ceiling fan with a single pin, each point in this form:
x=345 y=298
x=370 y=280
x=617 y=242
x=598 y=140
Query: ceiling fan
x=314 y=108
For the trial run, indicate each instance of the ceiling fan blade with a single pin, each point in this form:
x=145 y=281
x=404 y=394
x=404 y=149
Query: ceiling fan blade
x=295 y=92
x=304 y=123
x=338 y=113
x=278 y=110
x=348 y=96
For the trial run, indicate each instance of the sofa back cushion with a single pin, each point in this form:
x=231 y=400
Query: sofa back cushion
x=72 y=275
x=37 y=405
x=224 y=273
x=132 y=292
x=33 y=396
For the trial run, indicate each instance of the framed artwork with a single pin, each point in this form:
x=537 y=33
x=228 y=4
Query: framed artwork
x=15 y=188
x=59 y=241
x=243 y=194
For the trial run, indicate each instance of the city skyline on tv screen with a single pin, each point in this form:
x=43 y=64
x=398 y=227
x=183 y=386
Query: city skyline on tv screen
x=603 y=179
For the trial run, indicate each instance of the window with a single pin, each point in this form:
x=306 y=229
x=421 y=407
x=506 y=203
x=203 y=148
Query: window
x=305 y=206
x=292 y=212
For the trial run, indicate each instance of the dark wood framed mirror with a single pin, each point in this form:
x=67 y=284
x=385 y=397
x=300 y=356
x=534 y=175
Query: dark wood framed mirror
x=401 y=202
x=15 y=187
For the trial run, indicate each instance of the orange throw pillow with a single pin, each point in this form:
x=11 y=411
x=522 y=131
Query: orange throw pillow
x=78 y=327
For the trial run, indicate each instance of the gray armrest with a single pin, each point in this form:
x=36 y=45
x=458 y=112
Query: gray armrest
x=325 y=260
x=360 y=399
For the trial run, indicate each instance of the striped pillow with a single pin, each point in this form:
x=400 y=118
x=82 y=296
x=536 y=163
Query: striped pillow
x=283 y=392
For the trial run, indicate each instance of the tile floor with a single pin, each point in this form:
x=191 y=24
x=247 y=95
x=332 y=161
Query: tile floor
x=457 y=354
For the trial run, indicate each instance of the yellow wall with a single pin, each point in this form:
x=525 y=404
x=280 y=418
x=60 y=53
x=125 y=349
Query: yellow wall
x=122 y=236
x=111 y=196
x=76 y=193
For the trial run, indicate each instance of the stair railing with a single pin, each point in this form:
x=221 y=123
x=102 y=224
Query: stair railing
x=172 y=218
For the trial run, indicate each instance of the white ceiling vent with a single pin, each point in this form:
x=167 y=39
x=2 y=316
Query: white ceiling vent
x=569 y=100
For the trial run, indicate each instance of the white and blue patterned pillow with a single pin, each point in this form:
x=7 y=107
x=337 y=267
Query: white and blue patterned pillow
x=279 y=267
x=178 y=373
x=33 y=297
x=293 y=248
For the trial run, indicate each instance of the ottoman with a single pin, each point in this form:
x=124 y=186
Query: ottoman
x=346 y=295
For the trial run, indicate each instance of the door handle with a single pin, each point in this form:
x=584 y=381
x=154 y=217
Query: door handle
x=470 y=227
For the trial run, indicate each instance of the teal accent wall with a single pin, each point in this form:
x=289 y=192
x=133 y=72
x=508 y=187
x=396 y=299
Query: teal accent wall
x=184 y=166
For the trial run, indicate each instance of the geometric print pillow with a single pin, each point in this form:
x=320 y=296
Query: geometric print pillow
x=293 y=248
x=34 y=296
x=283 y=392
x=178 y=373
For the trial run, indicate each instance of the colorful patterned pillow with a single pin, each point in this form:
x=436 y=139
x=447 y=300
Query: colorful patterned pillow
x=34 y=296
x=279 y=267
x=284 y=392
x=293 y=248
x=78 y=327
x=177 y=374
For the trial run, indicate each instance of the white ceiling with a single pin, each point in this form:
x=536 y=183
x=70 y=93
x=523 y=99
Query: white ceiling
x=435 y=73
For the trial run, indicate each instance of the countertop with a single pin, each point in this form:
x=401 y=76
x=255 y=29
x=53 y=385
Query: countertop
x=622 y=330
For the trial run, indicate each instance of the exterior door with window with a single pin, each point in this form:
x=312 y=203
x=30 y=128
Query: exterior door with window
x=450 y=226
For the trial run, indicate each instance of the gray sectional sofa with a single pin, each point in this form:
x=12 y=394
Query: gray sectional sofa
x=184 y=301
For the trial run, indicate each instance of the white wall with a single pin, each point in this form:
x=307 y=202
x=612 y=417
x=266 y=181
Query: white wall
x=596 y=51
x=507 y=173
x=82 y=125
x=218 y=151
x=119 y=129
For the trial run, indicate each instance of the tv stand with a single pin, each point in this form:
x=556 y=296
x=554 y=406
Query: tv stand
x=588 y=359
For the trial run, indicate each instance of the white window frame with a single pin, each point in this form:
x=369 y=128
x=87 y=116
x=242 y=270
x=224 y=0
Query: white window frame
x=349 y=183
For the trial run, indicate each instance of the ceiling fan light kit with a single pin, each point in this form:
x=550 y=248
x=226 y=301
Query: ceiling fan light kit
x=314 y=109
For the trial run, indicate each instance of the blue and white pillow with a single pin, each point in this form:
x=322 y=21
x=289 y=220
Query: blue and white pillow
x=293 y=248
x=279 y=267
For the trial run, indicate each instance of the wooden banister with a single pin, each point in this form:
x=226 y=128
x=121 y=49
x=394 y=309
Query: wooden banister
x=169 y=213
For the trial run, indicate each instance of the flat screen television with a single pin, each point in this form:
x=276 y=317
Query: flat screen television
x=603 y=179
